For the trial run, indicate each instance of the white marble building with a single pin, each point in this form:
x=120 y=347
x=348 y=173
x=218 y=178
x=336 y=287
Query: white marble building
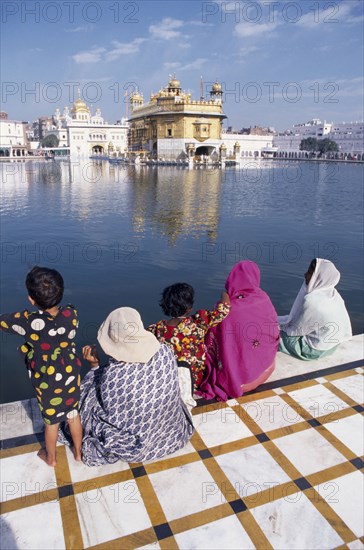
x=13 y=139
x=86 y=135
x=348 y=136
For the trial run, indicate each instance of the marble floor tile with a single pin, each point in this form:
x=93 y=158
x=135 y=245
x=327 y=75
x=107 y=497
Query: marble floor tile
x=355 y=545
x=309 y=451
x=185 y=490
x=25 y=474
x=272 y=413
x=252 y=470
x=321 y=380
x=37 y=527
x=20 y=418
x=220 y=426
x=350 y=431
x=318 y=400
x=347 y=352
x=359 y=370
x=226 y=533
x=152 y=546
x=279 y=391
x=189 y=448
x=293 y=522
x=111 y=512
x=345 y=495
x=287 y=366
x=80 y=472
x=353 y=386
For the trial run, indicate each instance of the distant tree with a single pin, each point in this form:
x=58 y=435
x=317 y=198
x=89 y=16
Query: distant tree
x=50 y=141
x=309 y=144
x=327 y=146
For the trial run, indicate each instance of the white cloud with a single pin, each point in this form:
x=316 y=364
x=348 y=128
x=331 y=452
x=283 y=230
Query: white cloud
x=82 y=28
x=124 y=48
x=245 y=29
x=166 y=29
x=171 y=66
x=91 y=56
x=98 y=54
x=184 y=45
x=193 y=65
x=329 y=16
x=248 y=50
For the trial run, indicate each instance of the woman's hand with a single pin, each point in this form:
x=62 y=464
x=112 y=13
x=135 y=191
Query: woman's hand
x=89 y=353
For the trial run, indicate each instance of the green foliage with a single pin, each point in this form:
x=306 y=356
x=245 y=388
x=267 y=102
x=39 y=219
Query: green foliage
x=50 y=141
x=309 y=144
x=327 y=145
x=320 y=146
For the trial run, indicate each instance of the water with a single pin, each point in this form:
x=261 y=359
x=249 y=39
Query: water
x=120 y=234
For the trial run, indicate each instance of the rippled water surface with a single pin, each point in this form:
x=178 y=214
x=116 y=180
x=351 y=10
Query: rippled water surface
x=120 y=234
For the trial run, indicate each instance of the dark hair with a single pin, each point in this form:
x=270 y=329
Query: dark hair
x=177 y=299
x=45 y=286
x=312 y=265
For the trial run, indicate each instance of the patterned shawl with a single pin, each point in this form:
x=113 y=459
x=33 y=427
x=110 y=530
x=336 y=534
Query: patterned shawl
x=132 y=411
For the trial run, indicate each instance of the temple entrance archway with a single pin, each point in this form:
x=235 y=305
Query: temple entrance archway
x=205 y=150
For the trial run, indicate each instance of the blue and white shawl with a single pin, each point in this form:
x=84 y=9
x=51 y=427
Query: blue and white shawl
x=132 y=411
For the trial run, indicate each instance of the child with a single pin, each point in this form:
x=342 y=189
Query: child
x=185 y=333
x=49 y=353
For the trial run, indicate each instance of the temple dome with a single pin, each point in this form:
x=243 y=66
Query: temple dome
x=216 y=87
x=136 y=96
x=174 y=83
x=80 y=106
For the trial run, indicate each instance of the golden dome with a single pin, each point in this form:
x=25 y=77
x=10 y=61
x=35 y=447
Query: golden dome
x=80 y=105
x=216 y=87
x=136 y=96
x=174 y=83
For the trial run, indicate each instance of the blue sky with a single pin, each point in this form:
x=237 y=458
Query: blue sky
x=279 y=62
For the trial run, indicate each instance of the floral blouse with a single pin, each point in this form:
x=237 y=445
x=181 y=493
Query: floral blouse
x=187 y=338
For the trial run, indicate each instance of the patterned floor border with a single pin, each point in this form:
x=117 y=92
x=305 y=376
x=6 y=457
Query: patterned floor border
x=303 y=432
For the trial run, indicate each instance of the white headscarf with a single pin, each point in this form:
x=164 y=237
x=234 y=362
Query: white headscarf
x=318 y=312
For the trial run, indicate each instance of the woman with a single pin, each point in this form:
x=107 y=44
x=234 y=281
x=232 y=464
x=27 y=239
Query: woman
x=318 y=321
x=241 y=350
x=131 y=409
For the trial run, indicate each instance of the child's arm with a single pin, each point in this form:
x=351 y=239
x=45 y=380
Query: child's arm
x=211 y=318
x=89 y=353
x=15 y=323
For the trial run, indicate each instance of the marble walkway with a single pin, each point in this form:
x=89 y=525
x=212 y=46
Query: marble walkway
x=279 y=468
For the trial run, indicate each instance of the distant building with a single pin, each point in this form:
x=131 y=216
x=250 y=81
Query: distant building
x=45 y=123
x=348 y=136
x=172 y=126
x=13 y=139
x=86 y=134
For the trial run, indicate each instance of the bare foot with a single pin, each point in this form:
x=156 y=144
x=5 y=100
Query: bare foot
x=44 y=456
x=77 y=454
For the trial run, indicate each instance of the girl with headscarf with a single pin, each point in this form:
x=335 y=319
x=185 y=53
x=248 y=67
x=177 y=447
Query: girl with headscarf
x=318 y=321
x=241 y=350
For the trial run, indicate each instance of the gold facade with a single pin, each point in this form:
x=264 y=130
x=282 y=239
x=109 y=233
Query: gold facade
x=173 y=114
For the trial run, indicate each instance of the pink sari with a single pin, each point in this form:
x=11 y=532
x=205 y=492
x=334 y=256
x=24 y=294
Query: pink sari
x=241 y=350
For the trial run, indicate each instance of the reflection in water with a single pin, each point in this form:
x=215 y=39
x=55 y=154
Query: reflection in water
x=177 y=202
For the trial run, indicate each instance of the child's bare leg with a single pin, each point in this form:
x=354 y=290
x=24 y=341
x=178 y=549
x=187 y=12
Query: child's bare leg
x=75 y=426
x=49 y=453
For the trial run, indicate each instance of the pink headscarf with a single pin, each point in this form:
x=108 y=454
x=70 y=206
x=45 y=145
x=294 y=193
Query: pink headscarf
x=245 y=343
